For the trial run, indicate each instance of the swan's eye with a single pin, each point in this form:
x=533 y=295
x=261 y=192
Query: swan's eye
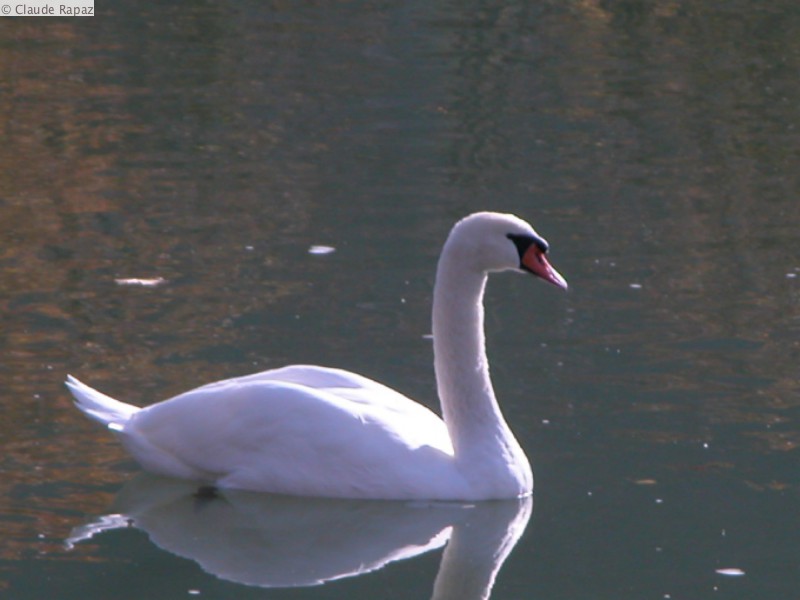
x=523 y=242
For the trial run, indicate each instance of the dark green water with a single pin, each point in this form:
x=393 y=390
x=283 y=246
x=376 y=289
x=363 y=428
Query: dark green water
x=655 y=145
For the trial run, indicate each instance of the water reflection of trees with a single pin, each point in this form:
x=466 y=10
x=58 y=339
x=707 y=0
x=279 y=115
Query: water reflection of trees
x=663 y=135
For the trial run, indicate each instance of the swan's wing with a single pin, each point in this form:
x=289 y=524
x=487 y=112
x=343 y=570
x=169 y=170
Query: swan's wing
x=341 y=383
x=329 y=435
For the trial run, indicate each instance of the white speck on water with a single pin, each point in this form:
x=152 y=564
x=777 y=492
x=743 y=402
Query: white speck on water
x=730 y=572
x=194 y=592
x=321 y=250
x=635 y=286
x=249 y=248
x=141 y=282
x=545 y=421
x=659 y=501
x=791 y=275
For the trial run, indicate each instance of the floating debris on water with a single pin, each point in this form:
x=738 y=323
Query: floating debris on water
x=321 y=250
x=733 y=572
x=154 y=282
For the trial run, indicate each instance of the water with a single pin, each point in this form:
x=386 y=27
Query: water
x=654 y=144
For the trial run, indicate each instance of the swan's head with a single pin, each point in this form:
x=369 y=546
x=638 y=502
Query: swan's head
x=499 y=242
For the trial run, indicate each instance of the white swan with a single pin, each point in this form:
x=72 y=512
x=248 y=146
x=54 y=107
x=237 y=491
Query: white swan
x=315 y=431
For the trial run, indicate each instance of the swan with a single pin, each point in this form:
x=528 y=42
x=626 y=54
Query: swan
x=307 y=430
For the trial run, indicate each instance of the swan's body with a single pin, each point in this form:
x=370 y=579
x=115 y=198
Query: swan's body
x=314 y=431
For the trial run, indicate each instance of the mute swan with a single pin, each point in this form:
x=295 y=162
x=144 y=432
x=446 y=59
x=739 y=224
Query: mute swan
x=315 y=431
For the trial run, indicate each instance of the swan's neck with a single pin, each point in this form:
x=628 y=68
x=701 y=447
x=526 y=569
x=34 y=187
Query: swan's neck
x=483 y=443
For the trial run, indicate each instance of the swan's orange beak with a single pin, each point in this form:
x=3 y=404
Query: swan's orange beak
x=535 y=261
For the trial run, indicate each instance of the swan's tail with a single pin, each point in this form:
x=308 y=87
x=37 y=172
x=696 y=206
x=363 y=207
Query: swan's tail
x=100 y=407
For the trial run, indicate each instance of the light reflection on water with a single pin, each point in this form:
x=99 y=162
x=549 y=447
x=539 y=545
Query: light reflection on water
x=655 y=146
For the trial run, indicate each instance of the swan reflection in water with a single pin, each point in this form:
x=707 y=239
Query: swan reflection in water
x=280 y=541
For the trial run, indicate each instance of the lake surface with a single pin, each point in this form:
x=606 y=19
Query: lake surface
x=219 y=151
